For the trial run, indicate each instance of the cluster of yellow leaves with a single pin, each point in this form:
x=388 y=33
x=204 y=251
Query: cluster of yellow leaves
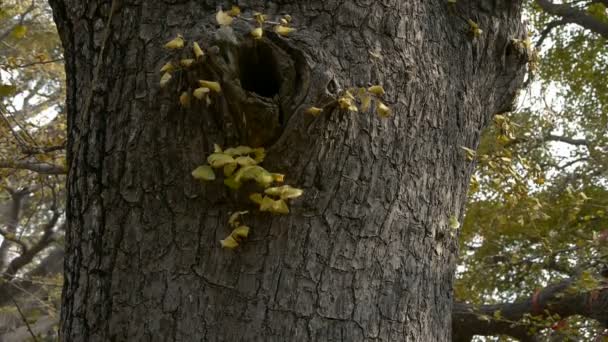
x=505 y=128
x=239 y=231
x=281 y=27
x=239 y=165
x=362 y=100
x=204 y=87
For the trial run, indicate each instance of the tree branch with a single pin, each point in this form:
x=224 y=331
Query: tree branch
x=12 y=221
x=575 y=16
x=550 y=26
x=28 y=254
x=43 y=168
x=24 y=319
x=50 y=265
x=567 y=140
x=469 y=320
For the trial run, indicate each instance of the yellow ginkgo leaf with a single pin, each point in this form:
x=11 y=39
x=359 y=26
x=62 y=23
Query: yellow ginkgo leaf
x=257 y=33
x=198 y=52
x=217 y=160
x=259 y=154
x=259 y=17
x=217 y=148
x=266 y=203
x=314 y=111
x=234 y=217
x=215 y=86
x=184 y=99
x=200 y=93
x=175 y=43
x=383 y=109
x=232 y=183
x=280 y=207
x=235 y=11
x=471 y=154
x=277 y=207
x=229 y=169
x=256 y=197
x=287 y=18
x=204 y=172
x=240 y=232
x=279 y=178
x=255 y=173
x=168 y=67
x=186 y=63
x=223 y=18
x=229 y=242
x=376 y=90
x=284 y=192
x=344 y=102
x=283 y=30
x=453 y=222
x=239 y=150
x=365 y=98
x=245 y=161
x=474 y=28
x=164 y=80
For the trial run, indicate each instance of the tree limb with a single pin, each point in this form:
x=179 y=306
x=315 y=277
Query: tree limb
x=27 y=324
x=43 y=168
x=28 y=254
x=50 y=265
x=575 y=16
x=469 y=320
x=545 y=32
x=12 y=221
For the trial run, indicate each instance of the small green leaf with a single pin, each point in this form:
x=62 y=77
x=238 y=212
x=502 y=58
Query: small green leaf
x=217 y=160
x=204 y=172
x=240 y=232
x=232 y=183
x=284 y=192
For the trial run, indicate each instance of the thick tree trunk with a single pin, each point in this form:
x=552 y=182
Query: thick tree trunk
x=366 y=254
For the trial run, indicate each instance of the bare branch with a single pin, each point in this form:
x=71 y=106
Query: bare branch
x=24 y=319
x=26 y=65
x=43 y=168
x=50 y=265
x=12 y=221
x=567 y=140
x=29 y=253
x=550 y=26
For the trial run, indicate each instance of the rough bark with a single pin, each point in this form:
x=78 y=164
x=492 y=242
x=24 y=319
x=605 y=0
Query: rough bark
x=365 y=255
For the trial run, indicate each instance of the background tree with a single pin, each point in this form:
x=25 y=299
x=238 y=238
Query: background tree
x=32 y=136
x=535 y=232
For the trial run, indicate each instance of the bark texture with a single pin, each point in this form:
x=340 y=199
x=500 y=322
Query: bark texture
x=365 y=255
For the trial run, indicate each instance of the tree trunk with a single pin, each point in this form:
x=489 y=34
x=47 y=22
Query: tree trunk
x=366 y=254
